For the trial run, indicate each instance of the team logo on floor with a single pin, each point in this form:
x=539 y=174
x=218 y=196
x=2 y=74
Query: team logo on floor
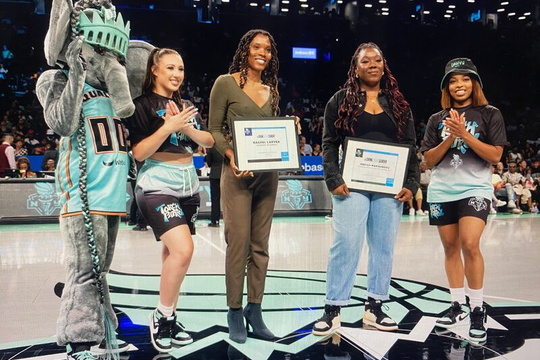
x=292 y=303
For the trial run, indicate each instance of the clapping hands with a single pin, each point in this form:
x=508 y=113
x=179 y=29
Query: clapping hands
x=179 y=121
x=455 y=124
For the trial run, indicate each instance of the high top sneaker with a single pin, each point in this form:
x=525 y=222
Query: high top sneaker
x=376 y=317
x=79 y=352
x=456 y=315
x=329 y=322
x=477 y=332
x=179 y=336
x=161 y=331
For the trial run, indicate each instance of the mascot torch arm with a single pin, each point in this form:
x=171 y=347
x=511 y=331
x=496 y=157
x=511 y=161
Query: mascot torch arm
x=61 y=94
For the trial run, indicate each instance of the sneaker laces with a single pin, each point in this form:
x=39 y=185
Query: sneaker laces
x=454 y=311
x=330 y=312
x=377 y=308
x=165 y=327
x=477 y=319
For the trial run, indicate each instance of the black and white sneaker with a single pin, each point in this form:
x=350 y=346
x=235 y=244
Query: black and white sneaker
x=81 y=354
x=102 y=347
x=329 y=322
x=161 y=331
x=376 y=317
x=456 y=315
x=179 y=336
x=477 y=331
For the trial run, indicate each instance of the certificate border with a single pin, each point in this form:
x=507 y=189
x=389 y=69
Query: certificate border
x=402 y=150
x=293 y=164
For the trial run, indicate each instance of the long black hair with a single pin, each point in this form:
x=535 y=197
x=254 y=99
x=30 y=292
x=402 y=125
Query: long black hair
x=269 y=76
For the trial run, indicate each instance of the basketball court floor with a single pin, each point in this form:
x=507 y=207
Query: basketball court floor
x=31 y=260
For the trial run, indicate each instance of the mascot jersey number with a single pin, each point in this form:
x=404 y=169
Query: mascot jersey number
x=84 y=101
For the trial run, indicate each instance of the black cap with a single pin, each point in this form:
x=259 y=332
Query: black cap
x=460 y=66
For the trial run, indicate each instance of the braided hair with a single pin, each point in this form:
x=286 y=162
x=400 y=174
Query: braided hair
x=268 y=76
x=350 y=107
x=110 y=337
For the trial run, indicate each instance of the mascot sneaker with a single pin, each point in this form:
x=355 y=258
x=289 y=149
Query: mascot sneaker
x=79 y=355
x=456 y=315
x=102 y=347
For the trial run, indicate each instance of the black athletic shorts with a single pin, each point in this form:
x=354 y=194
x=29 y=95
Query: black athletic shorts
x=164 y=212
x=450 y=212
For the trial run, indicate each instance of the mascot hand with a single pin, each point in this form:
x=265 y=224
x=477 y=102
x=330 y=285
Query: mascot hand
x=74 y=58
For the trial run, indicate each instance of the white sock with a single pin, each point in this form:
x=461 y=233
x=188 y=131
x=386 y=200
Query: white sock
x=476 y=297
x=165 y=310
x=458 y=294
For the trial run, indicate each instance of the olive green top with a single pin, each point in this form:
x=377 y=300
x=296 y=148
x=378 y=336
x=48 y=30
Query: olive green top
x=227 y=101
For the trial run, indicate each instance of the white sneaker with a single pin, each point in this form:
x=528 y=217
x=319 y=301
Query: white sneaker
x=500 y=203
x=492 y=211
x=411 y=212
x=420 y=213
x=511 y=204
x=516 y=211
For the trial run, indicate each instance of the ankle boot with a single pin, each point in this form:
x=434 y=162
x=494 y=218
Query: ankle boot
x=253 y=315
x=237 y=330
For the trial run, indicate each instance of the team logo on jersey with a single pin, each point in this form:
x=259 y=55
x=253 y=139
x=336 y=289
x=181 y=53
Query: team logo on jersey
x=45 y=201
x=478 y=203
x=295 y=196
x=458 y=143
x=170 y=211
x=456 y=161
x=436 y=210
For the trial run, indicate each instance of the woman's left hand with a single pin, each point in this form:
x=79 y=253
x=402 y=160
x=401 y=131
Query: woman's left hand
x=180 y=120
x=455 y=123
x=404 y=195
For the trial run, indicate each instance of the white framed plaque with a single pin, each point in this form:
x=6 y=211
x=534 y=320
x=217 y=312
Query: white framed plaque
x=266 y=144
x=375 y=166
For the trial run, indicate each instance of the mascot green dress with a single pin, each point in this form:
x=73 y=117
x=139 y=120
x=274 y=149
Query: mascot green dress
x=84 y=101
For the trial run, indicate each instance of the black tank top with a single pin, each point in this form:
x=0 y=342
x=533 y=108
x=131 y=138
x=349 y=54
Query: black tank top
x=378 y=127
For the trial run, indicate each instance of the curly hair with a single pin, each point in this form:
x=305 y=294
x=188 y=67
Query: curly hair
x=350 y=107
x=149 y=82
x=269 y=75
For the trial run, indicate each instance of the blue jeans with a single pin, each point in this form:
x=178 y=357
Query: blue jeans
x=355 y=216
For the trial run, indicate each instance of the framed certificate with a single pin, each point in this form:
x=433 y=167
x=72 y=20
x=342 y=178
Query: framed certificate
x=375 y=166
x=266 y=144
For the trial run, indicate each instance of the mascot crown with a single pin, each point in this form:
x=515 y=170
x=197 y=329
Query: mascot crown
x=100 y=28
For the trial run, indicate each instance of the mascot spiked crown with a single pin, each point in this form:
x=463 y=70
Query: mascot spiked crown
x=103 y=29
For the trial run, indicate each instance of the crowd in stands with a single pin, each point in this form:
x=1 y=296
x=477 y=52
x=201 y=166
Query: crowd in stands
x=21 y=114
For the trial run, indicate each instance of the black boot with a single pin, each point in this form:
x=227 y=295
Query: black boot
x=237 y=329
x=253 y=315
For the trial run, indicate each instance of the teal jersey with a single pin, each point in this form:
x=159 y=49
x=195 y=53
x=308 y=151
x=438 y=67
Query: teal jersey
x=107 y=160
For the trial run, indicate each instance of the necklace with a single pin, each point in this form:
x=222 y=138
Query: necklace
x=372 y=99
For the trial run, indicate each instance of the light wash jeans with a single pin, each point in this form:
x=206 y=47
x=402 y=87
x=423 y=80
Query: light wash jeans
x=355 y=216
